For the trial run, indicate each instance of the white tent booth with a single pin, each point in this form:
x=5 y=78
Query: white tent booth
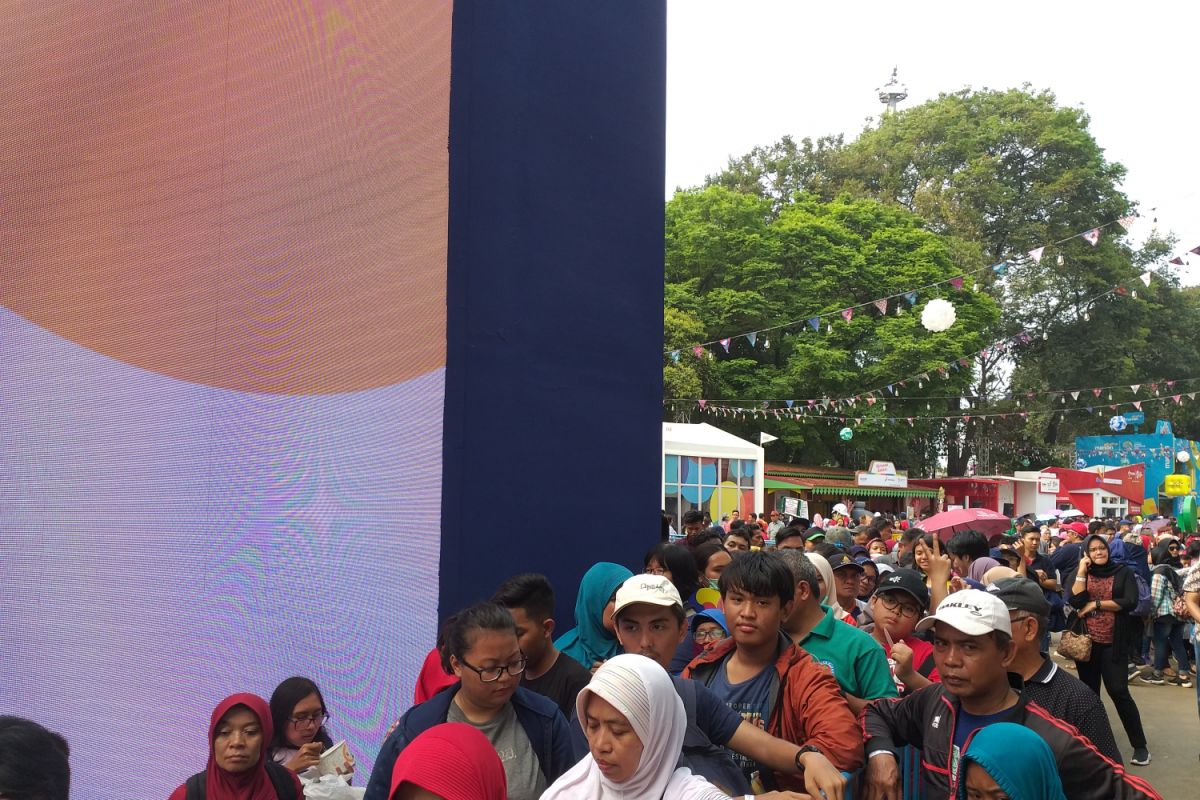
x=709 y=469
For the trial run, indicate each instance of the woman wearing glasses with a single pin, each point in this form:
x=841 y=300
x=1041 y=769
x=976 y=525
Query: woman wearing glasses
x=299 y=715
x=527 y=730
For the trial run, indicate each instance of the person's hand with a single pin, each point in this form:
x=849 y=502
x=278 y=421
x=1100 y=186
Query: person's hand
x=309 y=755
x=596 y=665
x=883 y=778
x=347 y=767
x=821 y=777
x=902 y=654
x=957 y=584
x=939 y=564
x=1019 y=546
x=1085 y=564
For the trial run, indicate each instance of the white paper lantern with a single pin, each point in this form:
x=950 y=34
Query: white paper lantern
x=1183 y=456
x=938 y=315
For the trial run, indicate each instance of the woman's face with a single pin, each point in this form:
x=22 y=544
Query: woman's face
x=304 y=721
x=877 y=548
x=867 y=582
x=488 y=650
x=238 y=740
x=656 y=567
x=717 y=563
x=1098 y=551
x=921 y=556
x=708 y=635
x=611 y=739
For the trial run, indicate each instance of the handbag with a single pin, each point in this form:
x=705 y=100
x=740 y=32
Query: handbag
x=1075 y=643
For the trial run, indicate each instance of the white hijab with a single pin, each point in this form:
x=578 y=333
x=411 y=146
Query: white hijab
x=641 y=690
x=822 y=564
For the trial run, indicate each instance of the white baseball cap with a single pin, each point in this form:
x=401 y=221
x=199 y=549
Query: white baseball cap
x=653 y=589
x=840 y=508
x=972 y=612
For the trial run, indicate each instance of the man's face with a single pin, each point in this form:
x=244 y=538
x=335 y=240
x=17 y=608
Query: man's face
x=735 y=542
x=1032 y=539
x=848 y=580
x=970 y=666
x=1025 y=631
x=735 y=515
x=774 y=516
x=753 y=620
x=862 y=537
x=650 y=630
x=693 y=527
x=791 y=543
x=961 y=564
x=532 y=635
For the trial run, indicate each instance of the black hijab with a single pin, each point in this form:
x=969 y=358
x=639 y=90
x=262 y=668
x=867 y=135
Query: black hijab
x=1163 y=557
x=1106 y=569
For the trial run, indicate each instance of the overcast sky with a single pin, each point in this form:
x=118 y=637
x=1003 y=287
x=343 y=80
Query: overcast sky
x=747 y=72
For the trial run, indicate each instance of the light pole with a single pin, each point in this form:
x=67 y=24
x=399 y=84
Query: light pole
x=892 y=93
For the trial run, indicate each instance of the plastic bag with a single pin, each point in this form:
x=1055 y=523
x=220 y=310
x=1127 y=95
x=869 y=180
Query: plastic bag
x=332 y=787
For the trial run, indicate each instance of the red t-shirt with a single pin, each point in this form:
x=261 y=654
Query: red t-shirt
x=922 y=662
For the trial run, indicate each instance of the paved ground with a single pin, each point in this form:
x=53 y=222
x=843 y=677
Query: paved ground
x=1173 y=731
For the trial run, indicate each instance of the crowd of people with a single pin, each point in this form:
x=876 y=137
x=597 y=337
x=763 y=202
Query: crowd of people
x=769 y=657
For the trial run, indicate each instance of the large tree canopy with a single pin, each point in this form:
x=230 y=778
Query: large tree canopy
x=966 y=180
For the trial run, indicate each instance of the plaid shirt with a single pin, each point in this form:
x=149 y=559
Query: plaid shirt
x=1191 y=583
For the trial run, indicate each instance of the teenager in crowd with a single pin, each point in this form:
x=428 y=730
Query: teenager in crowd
x=991 y=773
x=238 y=768
x=1105 y=593
x=877 y=549
x=34 y=762
x=635 y=726
x=1165 y=586
x=772 y=683
x=526 y=729
x=451 y=761
x=529 y=598
x=708 y=629
x=298 y=716
x=898 y=605
x=592 y=640
x=793 y=538
x=650 y=622
x=711 y=561
x=857 y=663
x=1060 y=693
x=973 y=648
x=677 y=564
x=738 y=540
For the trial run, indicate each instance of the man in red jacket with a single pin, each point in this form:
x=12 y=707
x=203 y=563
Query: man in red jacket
x=973 y=648
x=772 y=683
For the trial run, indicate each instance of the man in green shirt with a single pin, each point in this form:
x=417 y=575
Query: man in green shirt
x=856 y=660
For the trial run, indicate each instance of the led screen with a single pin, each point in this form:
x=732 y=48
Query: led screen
x=222 y=352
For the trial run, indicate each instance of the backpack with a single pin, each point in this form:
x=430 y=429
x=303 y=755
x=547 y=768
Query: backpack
x=1145 y=603
x=281 y=780
x=702 y=756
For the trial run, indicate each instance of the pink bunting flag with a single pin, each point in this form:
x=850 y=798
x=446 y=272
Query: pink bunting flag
x=1195 y=250
x=848 y=314
x=1137 y=404
x=1096 y=392
x=957 y=283
x=871 y=401
x=1178 y=398
x=881 y=305
x=725 y=344
x=1092 y=236
x=1170 y=384
x=1177 y=261
x=1036 y=254
x=1127 y=222
x=703 y=403
x=910 y=421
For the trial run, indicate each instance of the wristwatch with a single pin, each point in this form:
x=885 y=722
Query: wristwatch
x=808 y=748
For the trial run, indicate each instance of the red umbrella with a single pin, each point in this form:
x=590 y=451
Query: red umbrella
x=984 y=520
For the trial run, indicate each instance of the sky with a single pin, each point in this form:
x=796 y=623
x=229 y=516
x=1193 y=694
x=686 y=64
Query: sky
x=746 y=72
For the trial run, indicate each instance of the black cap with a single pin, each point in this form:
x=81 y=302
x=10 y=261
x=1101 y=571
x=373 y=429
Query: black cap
x=812 y=534
x=908 y=581
x=1021 y=594
x=841 y=560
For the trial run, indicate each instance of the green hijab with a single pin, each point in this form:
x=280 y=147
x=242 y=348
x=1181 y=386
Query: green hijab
x=589 y=641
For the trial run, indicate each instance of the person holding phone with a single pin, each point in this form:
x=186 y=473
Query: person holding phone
x=298 y=716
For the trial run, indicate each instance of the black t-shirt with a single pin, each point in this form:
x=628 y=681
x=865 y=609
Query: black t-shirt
x=561 y=683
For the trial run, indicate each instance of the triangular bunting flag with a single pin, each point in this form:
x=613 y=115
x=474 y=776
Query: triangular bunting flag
x=703 y=403
x=847 y=314
x=725 y=344
x=674 y=355
x=1170 y=384
x=1000 y=268
x=1177 y=261
x=1145 y=276
x=1074 y=395
x=790 y=403
x=1191 y=395
x=698 y=350
x=911 y=297
x=956 y=283
x=1178 y=398
x=871 y=401
x=1135 y=387
x=752 y=338
x=1036 y=254
x=1137 y=404
x=1092 y=236
x=1195 y=250
x=1127 y=222
x=881 y=305
x=815 y=323
x=1096 y=392
x=910 y=421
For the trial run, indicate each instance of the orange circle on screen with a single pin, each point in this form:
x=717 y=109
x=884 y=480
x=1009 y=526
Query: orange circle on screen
x=256 y=202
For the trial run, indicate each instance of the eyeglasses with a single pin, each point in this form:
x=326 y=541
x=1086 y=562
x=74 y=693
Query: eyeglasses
x=656 y=571
x=492 y=674
x=300 y=720
x=708 y=636
x=905 y=609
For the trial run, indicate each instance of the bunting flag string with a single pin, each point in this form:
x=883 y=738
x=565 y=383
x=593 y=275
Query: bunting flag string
x=910 y=295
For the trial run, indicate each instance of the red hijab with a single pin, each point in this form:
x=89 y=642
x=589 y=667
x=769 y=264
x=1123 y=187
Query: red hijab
x=254 y=783
x=453 y=760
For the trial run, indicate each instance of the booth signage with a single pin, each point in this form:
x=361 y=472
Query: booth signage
x=1135 y=417
x=1177 y=485
x=882 y=474
x=1048 y=485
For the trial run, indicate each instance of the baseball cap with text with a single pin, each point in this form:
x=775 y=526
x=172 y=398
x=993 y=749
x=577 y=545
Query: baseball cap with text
x=972 y=612
x=653 y=589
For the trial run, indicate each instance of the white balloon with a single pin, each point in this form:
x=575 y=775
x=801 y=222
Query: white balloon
x=938 y=315
x=1183 y=456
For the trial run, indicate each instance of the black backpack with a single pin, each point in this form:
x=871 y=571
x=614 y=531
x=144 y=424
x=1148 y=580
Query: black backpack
x=281 y=779
x=702 y=756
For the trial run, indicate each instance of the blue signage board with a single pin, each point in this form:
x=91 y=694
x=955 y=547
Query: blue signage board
x=1135 y=417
